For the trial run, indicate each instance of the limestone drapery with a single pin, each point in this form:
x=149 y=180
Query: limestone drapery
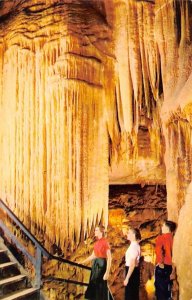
x=54 y=142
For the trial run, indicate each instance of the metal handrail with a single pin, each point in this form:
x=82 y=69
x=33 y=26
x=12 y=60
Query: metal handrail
x=50 y=278
x=40 y=250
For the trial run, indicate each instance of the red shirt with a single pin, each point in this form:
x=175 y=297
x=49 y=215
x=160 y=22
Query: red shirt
x=101 y=247
x=163 y=249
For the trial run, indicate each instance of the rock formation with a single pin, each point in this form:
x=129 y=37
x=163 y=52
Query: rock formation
x=141 y=207
x=93 y=92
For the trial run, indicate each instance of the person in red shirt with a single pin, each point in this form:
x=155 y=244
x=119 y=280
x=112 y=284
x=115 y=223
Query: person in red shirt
x=163 y=270
x=101 y=264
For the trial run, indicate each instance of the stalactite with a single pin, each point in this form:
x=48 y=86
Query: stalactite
x=151 y=51
x=135 y=61
x=85 y=79
x=124 y=82
x=185 y=24
x=138 y=67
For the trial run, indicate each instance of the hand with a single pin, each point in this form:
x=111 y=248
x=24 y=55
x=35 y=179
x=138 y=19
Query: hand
x=106 y=276
x=125 y=282
x=172 y=276
x=173 y=273
x=81 y=262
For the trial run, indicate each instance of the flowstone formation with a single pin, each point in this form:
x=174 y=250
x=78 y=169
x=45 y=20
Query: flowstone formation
x=92 y=93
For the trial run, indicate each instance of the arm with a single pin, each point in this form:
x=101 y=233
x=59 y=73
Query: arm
x=130 y=271
x=173 y=273
x=89 y=258
x=109 y=258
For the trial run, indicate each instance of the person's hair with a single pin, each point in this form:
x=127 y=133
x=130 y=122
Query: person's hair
x=137 y=233
x=171 y=225
x=101 y=228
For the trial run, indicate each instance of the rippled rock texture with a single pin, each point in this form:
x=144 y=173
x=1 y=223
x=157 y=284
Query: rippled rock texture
x=92 y=93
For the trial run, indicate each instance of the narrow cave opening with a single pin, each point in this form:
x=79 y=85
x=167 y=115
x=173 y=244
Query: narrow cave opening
x=143 y=207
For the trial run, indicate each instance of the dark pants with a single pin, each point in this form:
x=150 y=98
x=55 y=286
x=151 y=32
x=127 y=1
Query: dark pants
x=132 y=288
x=97 y=288
x=163 y=282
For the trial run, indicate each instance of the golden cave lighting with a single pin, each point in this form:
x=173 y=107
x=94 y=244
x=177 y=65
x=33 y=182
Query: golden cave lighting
x=150 y=288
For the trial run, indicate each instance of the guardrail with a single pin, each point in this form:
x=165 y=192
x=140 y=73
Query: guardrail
x=40 y=250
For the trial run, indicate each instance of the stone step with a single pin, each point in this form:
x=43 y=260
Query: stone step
x=13 y=284
x=11 y=280
x=7 y=264
x=20 y=294
x=3 y=256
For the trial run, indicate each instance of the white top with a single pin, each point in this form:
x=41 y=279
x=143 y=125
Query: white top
x=133 y=252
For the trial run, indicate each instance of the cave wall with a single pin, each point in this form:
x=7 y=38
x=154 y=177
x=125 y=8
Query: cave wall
x=174 y=43
x=176 y=119
x=143 y=207
x=91 y=96
x=183 y=247
x=55 y=64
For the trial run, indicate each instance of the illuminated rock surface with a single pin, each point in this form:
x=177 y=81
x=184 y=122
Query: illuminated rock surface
x=135 y=206
x=93 y=93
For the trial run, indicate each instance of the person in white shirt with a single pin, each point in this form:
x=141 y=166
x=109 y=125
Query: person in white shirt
x=132 y=257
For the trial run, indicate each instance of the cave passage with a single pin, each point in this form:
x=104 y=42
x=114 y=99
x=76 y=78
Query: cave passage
x=138 y=206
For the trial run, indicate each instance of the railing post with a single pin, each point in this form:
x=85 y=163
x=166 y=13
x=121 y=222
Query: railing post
x=38 y=265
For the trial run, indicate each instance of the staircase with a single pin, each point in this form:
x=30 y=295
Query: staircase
x=14 y=280
x=14 y=283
